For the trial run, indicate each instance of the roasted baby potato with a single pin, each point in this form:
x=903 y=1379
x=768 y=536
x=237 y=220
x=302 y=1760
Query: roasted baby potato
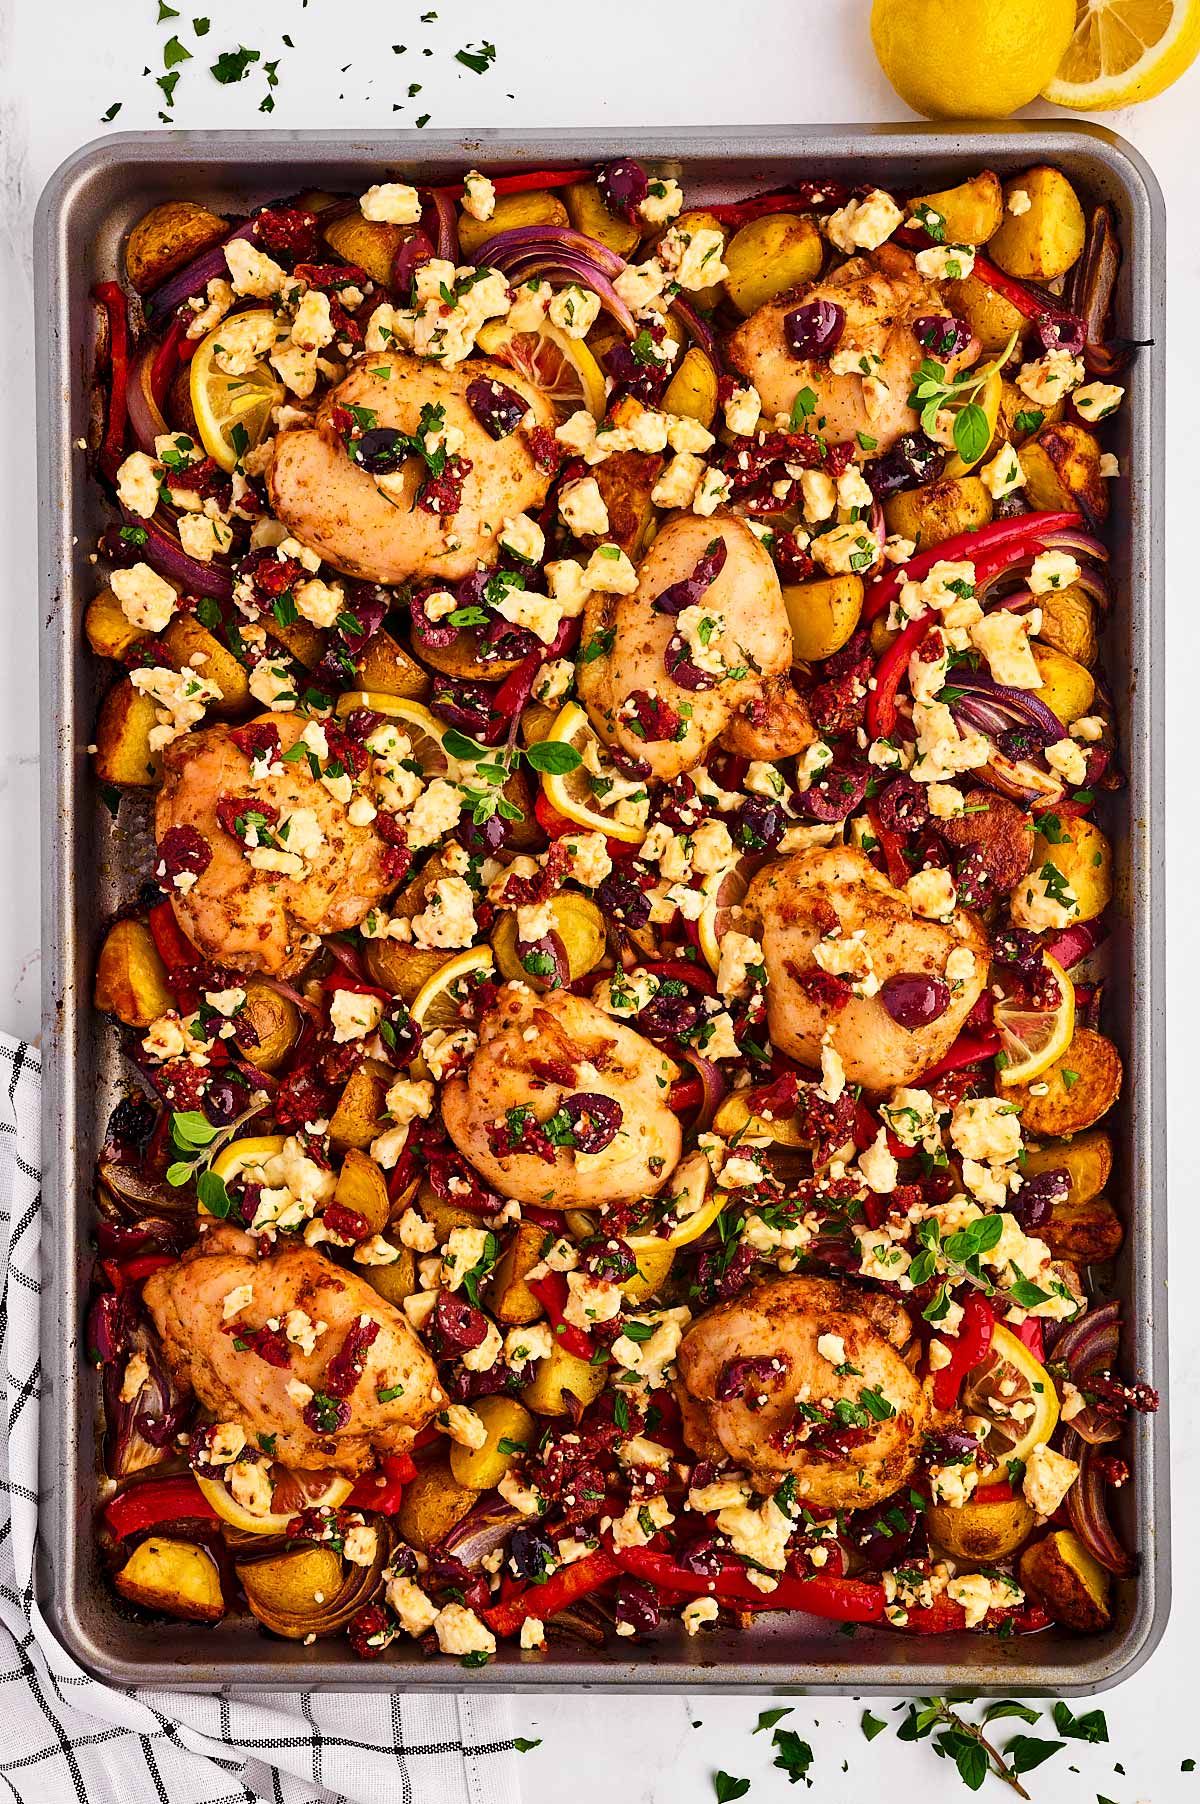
x=176 y=1577
x=578 y=923
x=695 y=219
x=443 y=1212
x=1080 y=1087
x=971 y=212
x=385 y=666
x=404 y=970
x=396 y=1281
x=538 y=207
x=1084 y=1233
x=512 y=1302
x=166 y=238
x=432 y=1504
x=511 y=1432
x=1068 y=688
x=276 y=1021
x=1087 y=1161
x=1083 y=854
x=123 y=754
x=980 y=1532
x=1044 y=241
x=131 y=979
x=1019 y=418
x=692 y=390
x=305 y=642
x=822 y=614
x=370 y=243
x=358 y=1118
x=768 y=256
x=588 y=213
x=938 y=510
x=361 y=1186
x=1069 y=623
x=188 y=642
x=109 y=634
x=992 y=319
x=283 y=1589
x=1068 y=1583
x=561 y=1372
x=1062 y=471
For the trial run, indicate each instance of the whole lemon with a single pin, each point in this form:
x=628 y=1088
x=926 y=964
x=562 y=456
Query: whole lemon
x=970 y=59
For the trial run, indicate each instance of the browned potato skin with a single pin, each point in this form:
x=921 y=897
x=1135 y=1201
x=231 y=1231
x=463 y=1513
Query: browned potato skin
x=131 y=979
x=396 y=1281
x=109 y=634
x=443 y=1213
x=1062 y=471
x=401 y=969
x=1069 y=1584
x=538 y=207
x=166 y=238
x=972 y=210
x=991 y=318
x=980 y=1531
x=432 y=1504
x=1069 y=624
x=1087 y=1160
x=276 y=1020
x=1085 y=1233
x=361 y=1186
x=1068 y=687
x=187 y=640
x=461 y=661
x=386 y=667
x=370 y=243
x=358 y=1118
x=822 y=614
x=588 y=213
x=1095 y=1089
x=123 y=754
x=768 y=256
x=1048 y=238
x=305 y=642
x=938 y=510
x=511 y=1300
x=177 y=1577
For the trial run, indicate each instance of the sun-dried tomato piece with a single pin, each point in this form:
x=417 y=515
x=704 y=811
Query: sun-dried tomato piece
x=182 y=851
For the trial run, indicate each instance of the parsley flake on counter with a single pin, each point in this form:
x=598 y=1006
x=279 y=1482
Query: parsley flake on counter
x=524 y=1747
x=232 y=65
x=768 y=1718
x=480 y=60
x=112 y=112
x=727 y=1787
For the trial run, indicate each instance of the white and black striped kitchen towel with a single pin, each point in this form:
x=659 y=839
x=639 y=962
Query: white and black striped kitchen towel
x=68 y=1738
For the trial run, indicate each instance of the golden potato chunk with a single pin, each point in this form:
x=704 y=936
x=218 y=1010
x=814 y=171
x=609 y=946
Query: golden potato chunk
x=179 y=1578
x=166 y=238
x=1068 y=1583
x=1043 y=240
x=1080 y=1087
x=131 y=979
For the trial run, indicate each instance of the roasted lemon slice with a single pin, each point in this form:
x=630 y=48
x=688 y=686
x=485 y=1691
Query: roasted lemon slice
x=232 y=412
x=1016 y=1394
x=723 y=892
x=332 y=1491
x=426 y=734
x=1032 y=1038
x=574 y=793
x=562 y=368
x=253 y=1149
x=436 y=1003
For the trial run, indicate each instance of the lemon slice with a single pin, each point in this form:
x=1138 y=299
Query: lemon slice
x=1009 y=1374
x=562 y=368
x=693 y=1173
x=437 y=1002
x=334 y=1492
x=1032 y=1038
x=426 y=733
x=1124 y=51
x=572 y=794
x=226 y=407
x=723 y=891
x=233 y=1159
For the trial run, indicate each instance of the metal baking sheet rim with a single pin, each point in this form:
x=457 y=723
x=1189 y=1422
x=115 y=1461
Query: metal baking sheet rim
x=72 y=1594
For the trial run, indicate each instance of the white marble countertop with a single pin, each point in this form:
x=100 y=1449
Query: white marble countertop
x=61 y=67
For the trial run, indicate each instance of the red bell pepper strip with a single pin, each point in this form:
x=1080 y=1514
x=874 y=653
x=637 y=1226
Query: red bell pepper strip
x=566 y=1587
x=553 y=1293
x=1029 y=1332
x=523 y=181
x=739 y=212
x=683 y=970
x=382 y=1491
x=1031 y=303
x=997 y=1493
x=891 y=844
x=944 y=1617
x=160 y=1500
x=340 y=979
x=968 y=1049
x=510 y=698
x=838 y=1599
x=177 y=954
x=966 y=1350
x=889 y=674
x=685 y=1093
x=556 y=825
x=1026 y=530
x=112 y=447
x=122 y=1274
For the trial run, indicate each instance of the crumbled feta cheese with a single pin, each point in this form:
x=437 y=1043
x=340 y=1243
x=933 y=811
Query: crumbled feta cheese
x=581 y=508
x=479 y=196
x=147 y=599
x=864 y=224
x=575 y=310
x=391 y=203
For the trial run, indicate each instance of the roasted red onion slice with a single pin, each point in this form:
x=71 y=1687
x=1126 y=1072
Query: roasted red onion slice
x=993 y=708
x=562 y=255
x=194 y=277
x=163 y=552
x=145 y=416
x=1088 y=1347
x=714 y=1085
x=1087 y=1507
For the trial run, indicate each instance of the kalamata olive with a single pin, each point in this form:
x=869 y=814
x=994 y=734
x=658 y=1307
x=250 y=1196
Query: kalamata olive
x=498 y=409
x=897 y=1534
x=400 y=1033
x=758 y=824
x=594 y=1119
x=941 y=335
x=815 y=329
x=1033 y=1204
x=623 y=186
x=914 y=1000
x=482 y=837
x=621 y=899
x=413 y=253
x=681 y=670
x=123 y=546
x=223 y=1100
x=1019 y=743
x=912 y=459
x=949 y=1446
x=635 y=1607
x=642 y=373
x=690 y=589
x=1022 y=950
x=460 y=1325
x=531 y=1554
x=834 y=794
x=669 y=1017
x=607 y=1256
x=1061 y=335
x=467 y=706
x=902 y=805
x=678 y=804
x=381 y=450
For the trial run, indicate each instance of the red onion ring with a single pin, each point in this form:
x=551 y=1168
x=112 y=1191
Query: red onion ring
x=562 y=255
x=292 y=995
x=145 y=417
x=481 y=1531
x=194 y=277
x=993 y=707
x=699 y=330
x=1022 y=782
x=1087 y=1347
x=164 y=553
x=1087 y=1508
x=714 y=1086
x=348 y=958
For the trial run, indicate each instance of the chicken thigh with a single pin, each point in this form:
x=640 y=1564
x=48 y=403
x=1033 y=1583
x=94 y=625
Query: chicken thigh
x=557 y=1059
x=245 y=919
x=882 y=296
x=378 y=533
x=747 y=642
x=220 y=1293
x=833 y=898
x=745 y=1365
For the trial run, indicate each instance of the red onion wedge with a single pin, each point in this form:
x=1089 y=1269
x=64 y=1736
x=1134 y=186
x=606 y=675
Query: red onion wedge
x=993 y=708
x=1087 y=1508
x=164 y=553
x=447 y=226
x=1023 y=782
x=714 y=1087
x=145 y=417
x=194 y=277
x=561 y=255
x=1088 y=1347
x=481 y=1531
